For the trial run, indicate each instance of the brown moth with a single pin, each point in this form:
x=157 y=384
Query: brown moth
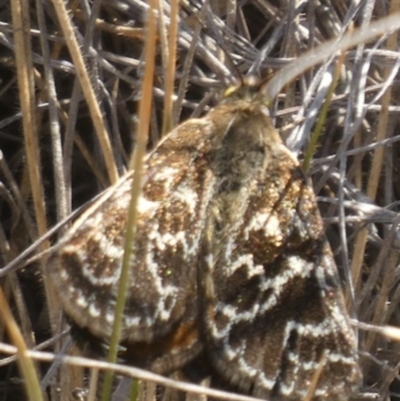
x=230 y=262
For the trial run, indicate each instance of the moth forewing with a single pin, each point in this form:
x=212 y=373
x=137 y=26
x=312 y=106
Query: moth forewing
x=85 y=267
x=272 y=299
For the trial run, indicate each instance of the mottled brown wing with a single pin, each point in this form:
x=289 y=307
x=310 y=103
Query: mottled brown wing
x=273 y=308
x=162 y=292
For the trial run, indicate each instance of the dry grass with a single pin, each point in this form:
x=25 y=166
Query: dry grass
x=61 y=145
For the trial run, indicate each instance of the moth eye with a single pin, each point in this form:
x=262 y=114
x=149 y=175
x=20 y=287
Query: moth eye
x=252 y=81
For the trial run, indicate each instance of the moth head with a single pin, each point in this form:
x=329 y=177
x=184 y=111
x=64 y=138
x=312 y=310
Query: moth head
x=249 y=88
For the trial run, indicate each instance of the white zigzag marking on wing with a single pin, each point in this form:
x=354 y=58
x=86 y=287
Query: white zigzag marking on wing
x=297 y=268
x=268 y=223
x=159 y=241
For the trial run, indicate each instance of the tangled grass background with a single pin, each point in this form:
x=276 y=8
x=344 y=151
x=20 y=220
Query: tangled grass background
x=60 y=146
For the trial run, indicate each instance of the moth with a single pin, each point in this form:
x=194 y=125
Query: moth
x=230 y=262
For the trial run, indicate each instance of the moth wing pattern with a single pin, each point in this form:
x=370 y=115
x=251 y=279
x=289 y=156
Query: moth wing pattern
x=230 y=262
x=272 y=303
x=162 y=293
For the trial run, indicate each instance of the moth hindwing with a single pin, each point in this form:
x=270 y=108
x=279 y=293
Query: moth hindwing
x=230 y=262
